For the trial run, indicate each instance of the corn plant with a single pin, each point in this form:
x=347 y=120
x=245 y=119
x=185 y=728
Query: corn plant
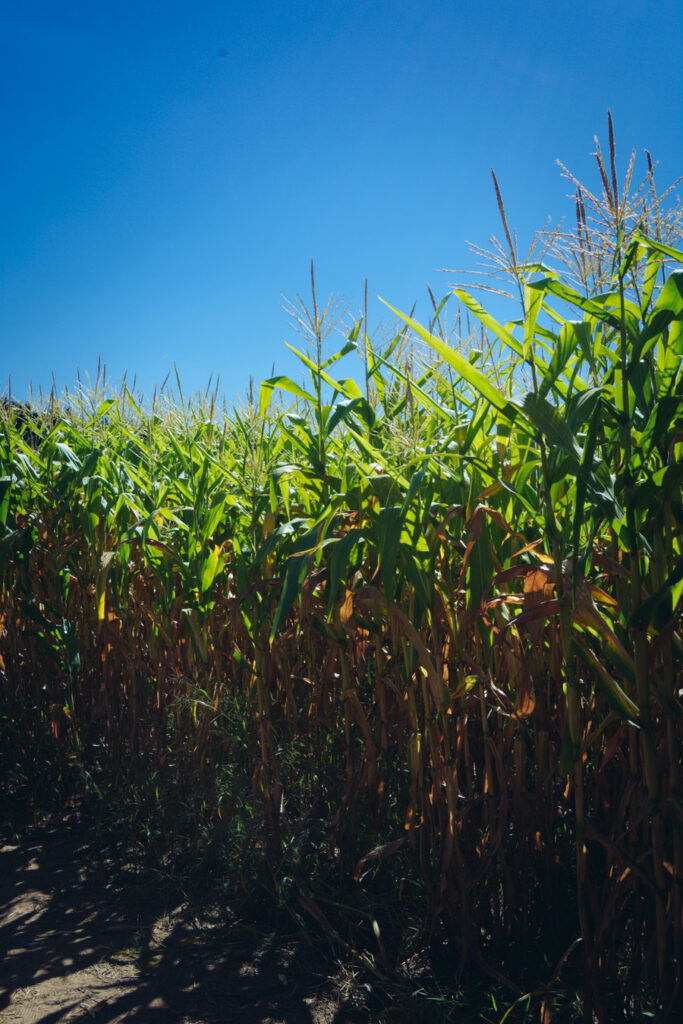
x=428 y=626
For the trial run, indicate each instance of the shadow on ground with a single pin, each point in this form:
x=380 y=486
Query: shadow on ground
x=85 y=935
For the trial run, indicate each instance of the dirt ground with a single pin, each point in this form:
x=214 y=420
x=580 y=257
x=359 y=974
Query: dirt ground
x=85 y=935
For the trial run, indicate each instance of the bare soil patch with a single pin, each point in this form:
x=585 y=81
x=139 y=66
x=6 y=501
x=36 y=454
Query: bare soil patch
x=86 y=934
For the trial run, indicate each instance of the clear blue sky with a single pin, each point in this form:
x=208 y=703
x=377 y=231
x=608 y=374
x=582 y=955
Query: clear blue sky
x=169 y=169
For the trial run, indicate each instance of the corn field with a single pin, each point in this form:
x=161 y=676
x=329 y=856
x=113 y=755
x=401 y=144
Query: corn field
x=432 y=611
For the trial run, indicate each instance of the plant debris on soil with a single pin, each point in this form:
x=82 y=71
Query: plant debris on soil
x=87 y=933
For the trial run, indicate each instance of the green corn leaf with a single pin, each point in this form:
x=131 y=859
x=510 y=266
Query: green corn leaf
x=374 y=454
x=582 y=484
x=574 y=338
x=613 y=692
x=211 y=567
x=663 y=421
x=5 y=494
x=295 y=574
x=670 y=361
x=284 y=384
x=489 y=321
x=463 y=368
x=389 y=526
x=344 y=410
x=595 y=306
x=421 y=581
x=668 y=308
x=481 y=568
x=653 y=266
x=180 y=453
x=659 y=605
x=533 y=300
x=416 y=486
x=213 y=519
x=69 y=456
x=419 y=393
x=104 y=407
x=550 y=424
x=579 y=409
x=318 y=372
x=337 y=564
x=106 y=561
x=350 y=346
x=652 y=245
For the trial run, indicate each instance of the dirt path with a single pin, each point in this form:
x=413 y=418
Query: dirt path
x=84 y=936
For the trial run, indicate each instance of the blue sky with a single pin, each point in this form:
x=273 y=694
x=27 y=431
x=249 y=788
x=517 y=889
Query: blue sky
x=170 y=169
